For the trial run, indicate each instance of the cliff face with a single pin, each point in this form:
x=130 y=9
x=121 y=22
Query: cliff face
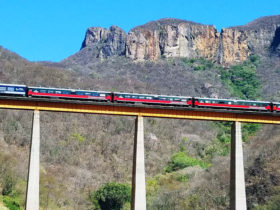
x=234 y=46
x=260 y=36
x=169 y=39
x=107 y=42
x=179 y=38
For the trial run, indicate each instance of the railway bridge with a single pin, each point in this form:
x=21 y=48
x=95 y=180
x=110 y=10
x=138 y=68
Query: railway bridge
x=237 y=180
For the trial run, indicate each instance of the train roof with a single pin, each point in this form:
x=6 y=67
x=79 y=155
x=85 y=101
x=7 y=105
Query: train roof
x=223 y=99
x=70 y=89
x=143 y=94
x=13 y=85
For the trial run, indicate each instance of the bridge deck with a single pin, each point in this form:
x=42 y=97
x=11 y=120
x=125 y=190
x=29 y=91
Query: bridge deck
x=60 y=105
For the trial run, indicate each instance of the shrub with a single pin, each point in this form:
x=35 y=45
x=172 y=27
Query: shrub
x=242 y=80
x=188 y=61
x=8 y=185
x=112 y=196
x=254 y=58
x=199 y=68
x=181 y=160
x=273 y=204
x=221 y=146
x=181 y=177
x=249 y=129
x=10 y=203
x=78 y=137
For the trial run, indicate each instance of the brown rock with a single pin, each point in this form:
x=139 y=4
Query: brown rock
x=179 y=38
x=234 y=46
x=172 y=39
x=143 y=45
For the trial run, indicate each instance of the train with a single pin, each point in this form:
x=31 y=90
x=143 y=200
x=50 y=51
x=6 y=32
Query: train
x=135 y=98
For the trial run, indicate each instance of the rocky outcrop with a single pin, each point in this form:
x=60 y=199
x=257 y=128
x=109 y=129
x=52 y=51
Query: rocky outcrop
x=260 y=36
x=172 y=39
x=179 y=38
x=106 y=42
x=275 y=44
x=143 y=45
x=234 y=46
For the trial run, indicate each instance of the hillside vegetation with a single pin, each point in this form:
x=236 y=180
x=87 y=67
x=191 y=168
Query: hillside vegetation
x=187 y=162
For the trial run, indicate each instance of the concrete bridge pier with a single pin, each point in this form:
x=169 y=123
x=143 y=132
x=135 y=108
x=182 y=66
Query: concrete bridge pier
x=138 y=198
x=237 y=178
x=32 y=194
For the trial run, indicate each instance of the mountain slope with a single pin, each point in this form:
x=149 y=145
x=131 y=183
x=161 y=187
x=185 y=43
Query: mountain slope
x=82 y=152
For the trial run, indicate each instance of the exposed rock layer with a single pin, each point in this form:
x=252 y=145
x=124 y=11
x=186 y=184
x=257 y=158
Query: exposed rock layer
x=179 y=38
x=107 y=42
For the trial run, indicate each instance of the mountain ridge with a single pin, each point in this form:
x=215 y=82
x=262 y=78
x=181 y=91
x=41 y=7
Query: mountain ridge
x=171 y=37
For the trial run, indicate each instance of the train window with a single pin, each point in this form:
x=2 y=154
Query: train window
x=184 y=100
x=57 y=91
x=102 y=94
x=11 y=89
x=149 y=97
x=2 y=88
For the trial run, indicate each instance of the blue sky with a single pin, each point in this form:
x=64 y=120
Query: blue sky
x=54 y=29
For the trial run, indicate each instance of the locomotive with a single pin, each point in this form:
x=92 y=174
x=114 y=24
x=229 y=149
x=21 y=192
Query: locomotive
x=119 y=97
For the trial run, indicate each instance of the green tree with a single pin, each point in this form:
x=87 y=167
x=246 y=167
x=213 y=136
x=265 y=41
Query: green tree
x=111 y=196
x=242 y=79
x=181 y=160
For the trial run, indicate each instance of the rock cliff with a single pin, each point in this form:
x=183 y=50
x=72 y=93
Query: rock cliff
x=107 y=42
x=179 y=38
x=260 y=36
x=172 y=38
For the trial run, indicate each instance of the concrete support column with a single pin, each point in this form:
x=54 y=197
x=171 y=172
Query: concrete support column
x=138 y=175
x=237 y=178
x=32 y=194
